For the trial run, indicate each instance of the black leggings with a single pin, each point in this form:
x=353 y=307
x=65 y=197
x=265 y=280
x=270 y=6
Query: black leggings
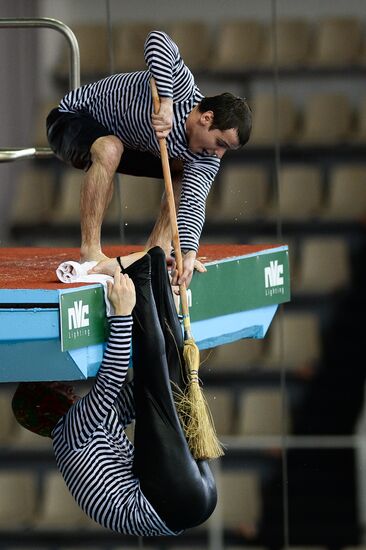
x=181 y=489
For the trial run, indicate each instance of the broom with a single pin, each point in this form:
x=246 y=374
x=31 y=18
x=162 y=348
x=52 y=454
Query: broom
x=192 y=405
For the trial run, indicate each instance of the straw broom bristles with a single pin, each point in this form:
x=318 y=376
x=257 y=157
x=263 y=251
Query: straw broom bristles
x=199 y=426
x=193 y=409
x=198 y=423
x=192 y=406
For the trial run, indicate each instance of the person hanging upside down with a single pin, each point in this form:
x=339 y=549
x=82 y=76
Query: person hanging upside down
x=109 y=126
x=152 y=487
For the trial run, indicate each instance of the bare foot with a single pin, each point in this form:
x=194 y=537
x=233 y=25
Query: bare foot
x=108 y=266
x=92 y=256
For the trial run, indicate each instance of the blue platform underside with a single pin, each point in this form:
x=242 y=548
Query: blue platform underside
x=27 y=357
x=29 y=324
x=229 y=328
x=26 y=361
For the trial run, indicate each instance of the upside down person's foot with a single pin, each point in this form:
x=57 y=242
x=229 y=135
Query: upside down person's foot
x=92 y=255
x=108 y=266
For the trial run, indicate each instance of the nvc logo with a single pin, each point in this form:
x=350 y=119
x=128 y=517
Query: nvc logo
x=273 y=274
x=78 y=315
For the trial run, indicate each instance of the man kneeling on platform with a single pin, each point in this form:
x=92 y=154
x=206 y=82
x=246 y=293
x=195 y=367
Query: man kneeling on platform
x=153 y=487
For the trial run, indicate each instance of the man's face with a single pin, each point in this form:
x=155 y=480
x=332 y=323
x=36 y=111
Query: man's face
x=209 y=142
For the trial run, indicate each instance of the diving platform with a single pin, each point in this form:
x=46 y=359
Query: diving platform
x=55 y=331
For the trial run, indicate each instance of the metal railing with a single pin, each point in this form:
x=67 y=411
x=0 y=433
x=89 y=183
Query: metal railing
x=12 y=153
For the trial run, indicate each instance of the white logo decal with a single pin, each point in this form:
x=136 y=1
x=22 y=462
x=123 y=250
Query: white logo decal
x=273 y=275
x=78 y=315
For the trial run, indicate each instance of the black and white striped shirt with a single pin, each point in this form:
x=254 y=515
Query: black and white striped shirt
x=93 y=452
x=123 y=104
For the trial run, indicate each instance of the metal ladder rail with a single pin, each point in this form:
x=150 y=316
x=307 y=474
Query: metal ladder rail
x=12 y=154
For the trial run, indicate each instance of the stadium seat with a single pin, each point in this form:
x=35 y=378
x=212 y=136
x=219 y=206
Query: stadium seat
x=360 y=132
x=240 y=500
x=237 y=356
x=300 y=193
x=18 y=499
x=140 y=200
x=238 y=45
x=24 y=439
x=93 y=44
x=363 y=52
x=244 y=192
x=264 y=131
x=293 y=43
x=67 y=209
x=260 y=412
x=133 y=210
x=58 y=509
x=39 y=138
x=190 y=547
x=347 y=194
x=194 y=42
x=221 y=403
x=338 y=41
x=293 y=341
x=129 y=40
x=323 y=265
x=34 y=198
x=327 y=120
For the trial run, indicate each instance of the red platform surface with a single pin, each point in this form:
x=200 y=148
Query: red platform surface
x=34 y=268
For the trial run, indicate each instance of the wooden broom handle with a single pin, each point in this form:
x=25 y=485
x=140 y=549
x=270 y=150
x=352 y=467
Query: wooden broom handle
x=171 y=203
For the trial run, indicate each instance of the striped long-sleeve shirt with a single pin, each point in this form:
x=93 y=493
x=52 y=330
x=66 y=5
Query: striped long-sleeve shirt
x=93 y=452
x=123 y=104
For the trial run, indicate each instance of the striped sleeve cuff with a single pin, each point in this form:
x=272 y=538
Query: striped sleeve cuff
x=120 y=323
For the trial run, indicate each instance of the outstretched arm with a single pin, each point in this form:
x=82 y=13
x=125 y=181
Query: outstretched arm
x=197 y=179
x=161 y=235
x=90 y=411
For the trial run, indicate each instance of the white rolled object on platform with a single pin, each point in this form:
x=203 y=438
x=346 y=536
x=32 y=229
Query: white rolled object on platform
x=74 y=272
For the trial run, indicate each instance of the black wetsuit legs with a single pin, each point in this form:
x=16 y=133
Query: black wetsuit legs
x=181 y=490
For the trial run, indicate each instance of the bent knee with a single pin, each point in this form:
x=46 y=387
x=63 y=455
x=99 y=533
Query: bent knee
x=190 y=508
x=107 y=150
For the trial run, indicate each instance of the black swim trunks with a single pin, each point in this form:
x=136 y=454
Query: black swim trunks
x=71 y=136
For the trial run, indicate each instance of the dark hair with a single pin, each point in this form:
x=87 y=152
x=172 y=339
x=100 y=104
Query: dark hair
x=229 y=112
x=38 y=407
